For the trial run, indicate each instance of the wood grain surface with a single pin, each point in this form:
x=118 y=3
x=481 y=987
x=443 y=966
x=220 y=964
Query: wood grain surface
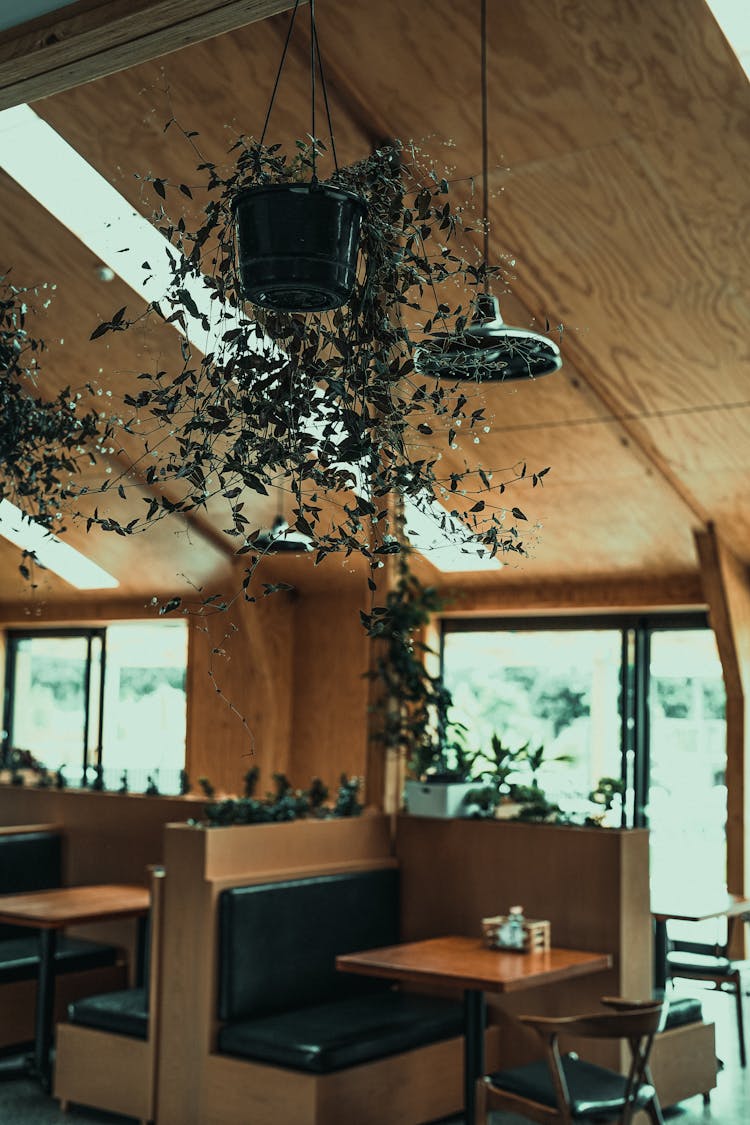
x=66 y=905
x=464 y=961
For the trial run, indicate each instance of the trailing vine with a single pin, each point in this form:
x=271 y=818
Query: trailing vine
x=327 y=407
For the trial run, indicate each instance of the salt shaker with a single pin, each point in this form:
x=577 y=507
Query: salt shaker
x=516 y=927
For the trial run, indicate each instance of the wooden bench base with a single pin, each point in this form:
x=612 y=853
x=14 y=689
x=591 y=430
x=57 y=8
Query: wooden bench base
x=405 y=1089
x=683 y=1062
x=109 y=1072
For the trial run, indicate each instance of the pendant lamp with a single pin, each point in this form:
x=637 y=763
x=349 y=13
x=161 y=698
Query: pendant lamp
x=280 y=538
x=488 y=350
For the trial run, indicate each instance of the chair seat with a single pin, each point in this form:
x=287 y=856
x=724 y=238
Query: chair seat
x=123 y=1012
x=594 y=1090
x=19 y=957
x=328 y=1037
x=683 y=1010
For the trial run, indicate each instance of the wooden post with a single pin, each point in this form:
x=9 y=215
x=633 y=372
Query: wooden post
x=726 y=585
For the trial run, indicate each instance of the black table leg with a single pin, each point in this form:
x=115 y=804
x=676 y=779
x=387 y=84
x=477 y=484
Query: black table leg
x=140 y=951
x=660 y=956
x=474 y=1021
x=45 y=1008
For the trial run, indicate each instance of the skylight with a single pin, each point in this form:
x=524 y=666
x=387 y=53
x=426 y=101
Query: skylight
x=733 y=17
x=450 y=548
x=51 y=552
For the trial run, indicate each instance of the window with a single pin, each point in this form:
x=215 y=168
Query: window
x=113 y=697
x=637 y=698
x=559 y=690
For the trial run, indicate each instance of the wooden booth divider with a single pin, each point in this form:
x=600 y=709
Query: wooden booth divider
x=591 y=884
x=200 y=863
x=107 y=838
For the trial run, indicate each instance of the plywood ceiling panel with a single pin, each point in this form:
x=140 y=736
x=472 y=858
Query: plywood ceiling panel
x=620 y=149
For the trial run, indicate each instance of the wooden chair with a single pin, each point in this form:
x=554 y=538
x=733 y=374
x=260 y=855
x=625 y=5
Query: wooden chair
x=692 y=962
x=560 y=1090
x=107 y=1056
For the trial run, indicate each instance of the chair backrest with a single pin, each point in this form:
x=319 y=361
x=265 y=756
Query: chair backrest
x=638 y=1023
x=278 y=942
x=624 y=1023
x=29 y=861
x=719 y=949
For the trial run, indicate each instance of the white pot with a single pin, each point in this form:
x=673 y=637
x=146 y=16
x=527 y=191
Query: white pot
x=438 y=798
x=507 y=809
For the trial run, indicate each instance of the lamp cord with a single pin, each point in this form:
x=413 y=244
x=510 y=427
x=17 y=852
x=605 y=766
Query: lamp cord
x=314 y=55
x=312 y=92
x=485 y=146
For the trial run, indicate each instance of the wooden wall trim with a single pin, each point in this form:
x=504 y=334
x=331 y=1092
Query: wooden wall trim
x=93 y=38
x=727 y=588
x=86 y=611
x=668 y=592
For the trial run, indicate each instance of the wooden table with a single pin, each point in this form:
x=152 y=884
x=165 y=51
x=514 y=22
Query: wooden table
x=49 y=911
x=698 y=909
x=466 y=963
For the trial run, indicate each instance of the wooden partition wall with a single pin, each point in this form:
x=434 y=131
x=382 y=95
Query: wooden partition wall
x=591 y=884
x=200 y=864
x=108 y=838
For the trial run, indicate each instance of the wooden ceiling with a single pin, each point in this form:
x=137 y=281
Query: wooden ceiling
x=620 y=157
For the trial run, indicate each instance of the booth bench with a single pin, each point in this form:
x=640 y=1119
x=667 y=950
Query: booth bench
x=31 y=860
x=299 y=1041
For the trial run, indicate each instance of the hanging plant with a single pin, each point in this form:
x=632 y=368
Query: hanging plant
x=325 y=406
x=43 y=441
x=412 y=716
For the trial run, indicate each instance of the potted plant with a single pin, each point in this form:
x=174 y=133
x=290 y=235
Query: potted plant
x=441 y=782
x=494 y=794
x=297 y=244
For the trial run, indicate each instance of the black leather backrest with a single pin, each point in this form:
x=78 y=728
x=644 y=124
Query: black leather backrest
x=278 y=941
x=29 y=861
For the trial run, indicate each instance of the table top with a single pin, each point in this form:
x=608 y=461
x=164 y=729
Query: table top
x=698 y=907
x=466 y=962
x=64 y=905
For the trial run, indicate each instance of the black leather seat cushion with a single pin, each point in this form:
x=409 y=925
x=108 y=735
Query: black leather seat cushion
x=327 y=1037
x=19 y=956
x=29 y=861
x=594 y=1091
x=683 y=1010
x=278 y=942
x=123 y=1012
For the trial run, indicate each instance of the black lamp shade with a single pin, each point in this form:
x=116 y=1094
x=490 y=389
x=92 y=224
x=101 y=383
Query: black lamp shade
x=488 y=350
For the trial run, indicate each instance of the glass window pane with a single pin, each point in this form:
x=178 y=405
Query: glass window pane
x=49 y=702
x=557 y=689
x=144 y=704
x=688 y=796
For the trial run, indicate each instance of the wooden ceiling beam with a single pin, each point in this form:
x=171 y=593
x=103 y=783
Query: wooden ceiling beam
x=621 y=595
x=94 y=38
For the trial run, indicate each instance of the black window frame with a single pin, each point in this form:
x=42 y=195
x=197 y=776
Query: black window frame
x=13 y=637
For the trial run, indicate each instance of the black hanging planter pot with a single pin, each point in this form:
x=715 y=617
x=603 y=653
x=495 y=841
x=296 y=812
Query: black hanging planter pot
x=297 y=245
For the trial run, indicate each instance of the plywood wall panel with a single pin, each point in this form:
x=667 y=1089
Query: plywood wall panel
x=240 y=686
x=330 y=695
